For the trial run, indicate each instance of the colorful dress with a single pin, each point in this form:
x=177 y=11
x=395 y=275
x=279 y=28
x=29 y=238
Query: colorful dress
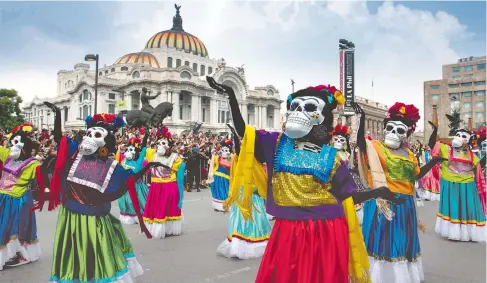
x=90 y=244
x=431 y=181
x=18 y=230
x=127 y=212
x=345 y=157
x=393 y=245
x=316 y=236
x=162 y=212
x=462 y=199
x=219 y=180
x=246 y=238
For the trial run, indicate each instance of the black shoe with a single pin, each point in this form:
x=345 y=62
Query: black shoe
x=17 y=260
x=198 y=190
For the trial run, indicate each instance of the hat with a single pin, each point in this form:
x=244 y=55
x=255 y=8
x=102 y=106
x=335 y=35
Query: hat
x=408 y=114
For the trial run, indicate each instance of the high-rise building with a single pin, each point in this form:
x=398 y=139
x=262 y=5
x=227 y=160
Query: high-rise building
x=462 y=87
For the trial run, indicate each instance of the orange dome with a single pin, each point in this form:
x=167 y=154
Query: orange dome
x=177 y=38
x=140 y=58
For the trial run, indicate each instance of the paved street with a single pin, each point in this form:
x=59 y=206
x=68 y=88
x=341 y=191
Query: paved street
x=191 y=257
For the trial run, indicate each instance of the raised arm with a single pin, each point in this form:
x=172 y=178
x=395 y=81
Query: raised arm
x=434 y=135
x=236 y=139
x=361 y=128
x=153 y=96
x=57 y=121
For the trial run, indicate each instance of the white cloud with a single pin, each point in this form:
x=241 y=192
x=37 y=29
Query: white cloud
x=398 y=48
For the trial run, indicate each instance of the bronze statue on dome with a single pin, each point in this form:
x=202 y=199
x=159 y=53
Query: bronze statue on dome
x=177 y=8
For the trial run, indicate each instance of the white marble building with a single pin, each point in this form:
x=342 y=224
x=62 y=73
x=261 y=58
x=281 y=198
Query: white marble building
x=174 y=63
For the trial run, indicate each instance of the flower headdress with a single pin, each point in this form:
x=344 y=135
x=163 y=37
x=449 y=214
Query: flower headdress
x=480 y=135
x=227 y=142
x=26 y=128
x=136 y=142
x=163 y=133
x=110 y=122
x=408 y=114
x=341 y=130
x=332 y=96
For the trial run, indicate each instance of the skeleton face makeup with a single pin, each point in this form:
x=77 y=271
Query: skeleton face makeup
x=94 y=139
x=396 y=133
x=460 y=139
x=162 y=147
x=339 y=142
x=130 y=152
x=16 y=148
x=483 y=145
x=225 y=152
x=304 y=113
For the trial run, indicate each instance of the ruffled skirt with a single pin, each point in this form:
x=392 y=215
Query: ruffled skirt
x=219 y=192
x=162 y=216
x=393 y=246
x=127 y=211
x=246 y=238
x=18 y=230
x=92 y=249
x=460 y=216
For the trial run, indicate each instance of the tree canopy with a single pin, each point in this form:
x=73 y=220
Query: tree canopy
x=10 y=113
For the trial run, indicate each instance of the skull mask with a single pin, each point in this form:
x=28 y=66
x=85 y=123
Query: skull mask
x=225 y=152
x=130 y=153
x=94 y=139
x=16 y=148
x=339 y=142
x=304 y=113
x=461 y=138
x=162 y=147
x=396 y=133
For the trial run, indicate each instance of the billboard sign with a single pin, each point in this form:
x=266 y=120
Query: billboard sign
x=349 y=80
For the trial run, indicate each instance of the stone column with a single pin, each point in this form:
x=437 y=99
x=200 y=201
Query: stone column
x=175 y=105
x=264 y=118
x=213 y=111
x=244 y=112
x=195 y=105
x=257 y=116
x=277 y=118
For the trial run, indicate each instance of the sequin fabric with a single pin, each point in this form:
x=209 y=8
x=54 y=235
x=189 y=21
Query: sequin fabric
x=303 y=162
x=399 y=168
x=461 y=168
x=300 y=190
x=8 y=181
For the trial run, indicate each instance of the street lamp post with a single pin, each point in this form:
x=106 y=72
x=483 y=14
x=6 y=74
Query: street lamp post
x=91 y=58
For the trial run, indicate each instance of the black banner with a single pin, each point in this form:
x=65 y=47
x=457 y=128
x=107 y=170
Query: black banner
x=349 y=80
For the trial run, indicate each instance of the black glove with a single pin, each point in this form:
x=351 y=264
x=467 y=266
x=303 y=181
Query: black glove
x=220 y=88
x=385 y=193
x=433 y=125
x=51 y=106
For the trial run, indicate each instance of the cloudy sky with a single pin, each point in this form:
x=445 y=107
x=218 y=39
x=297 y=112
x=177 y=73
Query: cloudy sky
x=398 y=44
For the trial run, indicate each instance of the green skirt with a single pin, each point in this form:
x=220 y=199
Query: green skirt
x=92 y=249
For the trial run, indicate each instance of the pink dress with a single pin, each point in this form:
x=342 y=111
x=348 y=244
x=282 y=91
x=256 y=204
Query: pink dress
x=431 y=181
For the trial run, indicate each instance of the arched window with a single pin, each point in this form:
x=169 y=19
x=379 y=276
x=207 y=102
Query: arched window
x=202 y=70
x=106 y=72
x=270 y=93
x=135 y=75
x=112 y=70
x=124 y=68
x=185 y=75
x=195 y=67
x=178 y=63
x=169 y=62
x=100 y=74
x=186 y=63
x=85 y=112
x=80 y=97
x=210 y=70
x=86 y=95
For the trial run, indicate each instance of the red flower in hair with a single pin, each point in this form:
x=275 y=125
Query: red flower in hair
x=134 y=141
x=341 y=130
x=481 y=134
x=409 y=112
x=331 y=89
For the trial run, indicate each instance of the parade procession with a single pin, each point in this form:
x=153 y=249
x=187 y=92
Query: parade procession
x=185 y=167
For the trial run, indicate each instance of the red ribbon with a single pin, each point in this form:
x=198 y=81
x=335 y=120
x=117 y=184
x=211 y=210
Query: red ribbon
x=135 y=202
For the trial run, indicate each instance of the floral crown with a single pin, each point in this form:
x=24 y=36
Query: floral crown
x=26 y=128
x=481 y=134
x=408 y=114
x=136 y=142
x=227 y=143
x=341 y=130
x=328 y=93
x=163 y=133
x=109 y=121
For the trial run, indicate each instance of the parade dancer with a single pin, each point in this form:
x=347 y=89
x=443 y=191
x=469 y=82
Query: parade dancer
x=162 y=212
x=431 y=181
x=219 y=174
x=341 y=141
x=18 y=231
x=134 y=158
x=246 y=238
x=482 y=144
x=315 y=237
x=390 y=231
x=461 y=213
x=90 y=244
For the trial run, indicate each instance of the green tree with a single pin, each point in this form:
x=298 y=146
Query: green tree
x=10 y=109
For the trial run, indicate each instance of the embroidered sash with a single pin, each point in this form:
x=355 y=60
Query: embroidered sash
x=92 y=173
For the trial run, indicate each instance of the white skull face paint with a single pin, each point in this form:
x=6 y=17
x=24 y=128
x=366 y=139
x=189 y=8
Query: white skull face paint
x=130 y=153
x=16 y=148
x=94 y=139
x=460 y=139
x=304 y=113
x=483 y=145
x=162 y=147
x=225 y=152
x=396 y=133
x=339 y=142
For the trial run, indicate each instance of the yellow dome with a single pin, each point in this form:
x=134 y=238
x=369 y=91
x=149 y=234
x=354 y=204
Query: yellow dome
x=141 y=58
x=178 y=38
